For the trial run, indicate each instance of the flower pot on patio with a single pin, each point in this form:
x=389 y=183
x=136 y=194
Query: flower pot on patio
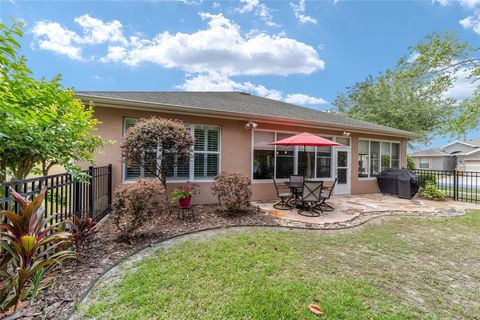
x=185 y=202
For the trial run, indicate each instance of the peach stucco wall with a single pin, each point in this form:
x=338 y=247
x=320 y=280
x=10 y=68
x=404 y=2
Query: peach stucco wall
x=236 y=151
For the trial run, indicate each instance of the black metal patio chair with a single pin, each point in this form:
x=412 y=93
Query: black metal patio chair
x=323 y=204
x=311 y=199
x=296 y=178
x=285 y=195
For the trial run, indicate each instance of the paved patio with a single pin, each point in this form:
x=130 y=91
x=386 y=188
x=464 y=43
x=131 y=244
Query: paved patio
x=354 y=209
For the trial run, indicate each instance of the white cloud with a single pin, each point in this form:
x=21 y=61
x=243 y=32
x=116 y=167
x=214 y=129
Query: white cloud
x=443 y=3
x=463 y=87
x=260 y=9
x=302 y=99
x=218 y=82
x=97 y=31
x=248 y=5
x=472 y=22
x=469 y=3
x=223 y=49
x=299 y=11
x=465 y=3
x=54 y=37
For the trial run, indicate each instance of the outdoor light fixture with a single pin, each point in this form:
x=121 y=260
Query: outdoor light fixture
x=251 y=125
x=346 y=133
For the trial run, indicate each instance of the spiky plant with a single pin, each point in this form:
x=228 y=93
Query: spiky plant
x=31 y=243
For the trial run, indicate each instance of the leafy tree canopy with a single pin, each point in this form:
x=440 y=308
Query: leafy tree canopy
x=42 y=123
x=158 y=144
x=414 y=97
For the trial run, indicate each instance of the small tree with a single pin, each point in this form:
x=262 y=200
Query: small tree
x=42 y=123
x=158 y=144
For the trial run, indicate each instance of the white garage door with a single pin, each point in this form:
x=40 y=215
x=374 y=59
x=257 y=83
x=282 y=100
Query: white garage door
x=472 y=165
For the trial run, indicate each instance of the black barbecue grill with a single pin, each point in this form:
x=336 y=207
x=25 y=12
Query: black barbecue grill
x=399 y=182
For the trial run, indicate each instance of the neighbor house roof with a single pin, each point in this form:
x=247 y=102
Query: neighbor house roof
x=475 y=141
x=434 y=152
x=233 y=104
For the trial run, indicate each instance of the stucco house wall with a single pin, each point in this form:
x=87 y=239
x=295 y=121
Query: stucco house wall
x=236 y=148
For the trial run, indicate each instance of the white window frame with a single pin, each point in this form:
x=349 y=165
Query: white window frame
x=428 y=162
x=295 y=156
x=380 y=155
x=192 y=160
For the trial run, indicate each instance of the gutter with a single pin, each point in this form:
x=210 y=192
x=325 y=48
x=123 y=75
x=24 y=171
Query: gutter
x=178 y=109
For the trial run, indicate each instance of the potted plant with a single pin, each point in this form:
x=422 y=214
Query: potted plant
x=183 y=195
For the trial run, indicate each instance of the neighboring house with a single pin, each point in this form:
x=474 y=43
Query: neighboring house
x=233 y=130
x=458 y=155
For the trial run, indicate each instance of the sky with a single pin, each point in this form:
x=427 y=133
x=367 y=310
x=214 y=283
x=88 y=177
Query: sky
x=302 y=52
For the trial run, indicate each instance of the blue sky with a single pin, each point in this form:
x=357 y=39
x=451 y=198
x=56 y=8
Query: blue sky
x=296 y=51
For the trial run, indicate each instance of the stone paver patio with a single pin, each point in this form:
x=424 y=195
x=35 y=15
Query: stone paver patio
x=351 y=210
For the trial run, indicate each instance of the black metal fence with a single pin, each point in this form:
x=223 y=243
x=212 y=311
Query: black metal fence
x=65 y=196
x=459 y=185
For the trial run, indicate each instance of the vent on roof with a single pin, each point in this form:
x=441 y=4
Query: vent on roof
x=245 y=93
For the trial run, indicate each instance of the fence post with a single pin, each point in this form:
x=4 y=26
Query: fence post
x=77 y=197
x=7 y=195
x=110 y=185
x=455 y=185
x=90 y=192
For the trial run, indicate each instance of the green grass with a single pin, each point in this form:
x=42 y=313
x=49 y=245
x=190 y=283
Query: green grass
x=408 y=268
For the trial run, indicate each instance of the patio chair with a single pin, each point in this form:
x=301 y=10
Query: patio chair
x=323 y=204
x=296 y=178
x=285 y=195
x=311 y=199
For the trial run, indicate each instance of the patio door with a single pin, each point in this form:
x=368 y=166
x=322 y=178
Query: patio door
x=342 y=170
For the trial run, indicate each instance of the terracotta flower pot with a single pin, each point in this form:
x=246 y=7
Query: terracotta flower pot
x=184 y=202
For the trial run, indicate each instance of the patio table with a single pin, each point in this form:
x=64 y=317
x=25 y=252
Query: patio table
x=296 y=188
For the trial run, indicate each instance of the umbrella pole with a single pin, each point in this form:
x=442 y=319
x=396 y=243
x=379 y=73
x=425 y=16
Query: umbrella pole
x=306 y=160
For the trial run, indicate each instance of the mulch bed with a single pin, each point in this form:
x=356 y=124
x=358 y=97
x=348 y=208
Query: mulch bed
x=106 y=250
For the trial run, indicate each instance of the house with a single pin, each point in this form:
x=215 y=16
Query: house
x=458 y=155
x=233 y=130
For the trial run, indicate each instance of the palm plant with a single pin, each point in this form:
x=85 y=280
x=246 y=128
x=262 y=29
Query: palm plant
x=30 y=243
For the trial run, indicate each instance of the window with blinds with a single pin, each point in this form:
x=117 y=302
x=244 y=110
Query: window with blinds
x=206 y=152
x=204 y=165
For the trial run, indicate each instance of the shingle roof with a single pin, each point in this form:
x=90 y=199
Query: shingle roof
x=243 y=103
x=430 y=152
x=475 y=141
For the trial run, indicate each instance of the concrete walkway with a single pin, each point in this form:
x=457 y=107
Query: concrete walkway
x=350 y=207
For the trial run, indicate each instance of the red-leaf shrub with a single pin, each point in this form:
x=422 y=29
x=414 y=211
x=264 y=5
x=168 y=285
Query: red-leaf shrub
x=232 y=190
x=136 y=203
x=172 y=139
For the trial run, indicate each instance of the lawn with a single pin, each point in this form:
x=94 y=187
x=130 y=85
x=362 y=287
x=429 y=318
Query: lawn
x=397 y=268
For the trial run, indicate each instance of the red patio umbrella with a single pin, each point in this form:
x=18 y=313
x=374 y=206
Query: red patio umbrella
x=306 y=139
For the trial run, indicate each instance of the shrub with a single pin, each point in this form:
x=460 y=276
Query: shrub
x=170 y=137
x=410 y=163
x=427 y=178
x=233 y=191
x=136 y=203
x=432 y=192
x=32 y=244
x=82 y=230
